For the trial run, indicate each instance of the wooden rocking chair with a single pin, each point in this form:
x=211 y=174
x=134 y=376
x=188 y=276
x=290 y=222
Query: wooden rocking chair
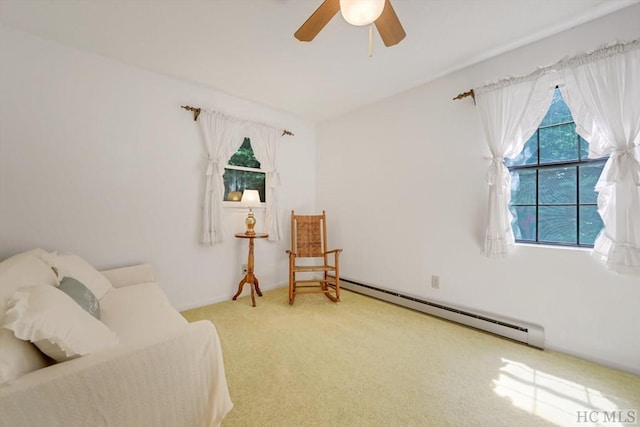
x=309 y=241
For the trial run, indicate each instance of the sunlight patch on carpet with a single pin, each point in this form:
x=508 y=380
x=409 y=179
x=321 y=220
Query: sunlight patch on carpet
x=557 y=400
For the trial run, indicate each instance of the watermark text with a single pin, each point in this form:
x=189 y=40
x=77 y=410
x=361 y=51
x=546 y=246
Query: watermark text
x=621 y=416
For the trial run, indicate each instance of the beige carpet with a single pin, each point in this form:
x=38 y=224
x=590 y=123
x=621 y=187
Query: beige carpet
x=364 y=362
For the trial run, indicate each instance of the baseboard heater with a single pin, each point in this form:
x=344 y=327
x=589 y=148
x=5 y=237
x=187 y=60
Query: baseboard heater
x=527 y=333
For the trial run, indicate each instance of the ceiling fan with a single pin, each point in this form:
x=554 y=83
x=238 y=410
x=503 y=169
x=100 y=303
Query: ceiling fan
x=356 y=12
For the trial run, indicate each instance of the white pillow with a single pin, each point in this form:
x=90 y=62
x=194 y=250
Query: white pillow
x=25 y=269
x=21 y=270
x=56 y=324
x=68 y=265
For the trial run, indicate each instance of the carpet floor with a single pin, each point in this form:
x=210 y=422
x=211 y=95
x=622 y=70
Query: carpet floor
x=365 y=362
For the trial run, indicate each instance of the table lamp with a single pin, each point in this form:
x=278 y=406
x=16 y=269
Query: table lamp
x=250 y=199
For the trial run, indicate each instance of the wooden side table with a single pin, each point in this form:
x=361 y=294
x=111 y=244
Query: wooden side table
x=250 y=278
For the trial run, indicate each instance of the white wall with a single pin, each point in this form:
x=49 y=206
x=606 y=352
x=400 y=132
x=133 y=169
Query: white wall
x=97 y=158
x=403 y=182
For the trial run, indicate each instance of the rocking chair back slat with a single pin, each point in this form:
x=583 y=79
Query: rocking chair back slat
x=308 y=236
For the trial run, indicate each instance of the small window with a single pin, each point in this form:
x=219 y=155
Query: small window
x=243 y=173
x=553 y=200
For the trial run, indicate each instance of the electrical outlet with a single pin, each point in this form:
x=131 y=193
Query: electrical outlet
x=244 y=268
x=435 y=282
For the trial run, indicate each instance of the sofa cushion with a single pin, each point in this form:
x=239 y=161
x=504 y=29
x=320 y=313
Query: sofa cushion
x=56 y=324
x=140 y=312
x=130 y=275
x=81 y=295
x=22 y=270
x=69 y=265
x=18 y=357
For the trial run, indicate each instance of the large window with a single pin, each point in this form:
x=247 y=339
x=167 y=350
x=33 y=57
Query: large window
x=243 y=173
x=553 y=200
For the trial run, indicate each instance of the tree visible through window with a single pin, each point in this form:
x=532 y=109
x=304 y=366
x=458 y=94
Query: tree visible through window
x=553 y=200
x=243 y=173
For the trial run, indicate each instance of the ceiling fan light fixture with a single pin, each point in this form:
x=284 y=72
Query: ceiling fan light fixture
x=361 y=12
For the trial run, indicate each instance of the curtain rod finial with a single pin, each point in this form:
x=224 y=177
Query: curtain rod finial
x=196 y=111
x=470 y=93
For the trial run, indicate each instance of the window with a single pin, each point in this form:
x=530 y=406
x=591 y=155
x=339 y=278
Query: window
x=553 y=200
x=243 y=173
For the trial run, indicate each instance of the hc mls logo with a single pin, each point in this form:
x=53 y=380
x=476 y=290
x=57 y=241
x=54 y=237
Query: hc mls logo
x=622 y=416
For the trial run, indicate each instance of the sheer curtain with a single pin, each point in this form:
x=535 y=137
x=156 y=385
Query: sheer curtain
x=602 y=90
x=221 y=138
x=265 y=142
x=510 y=112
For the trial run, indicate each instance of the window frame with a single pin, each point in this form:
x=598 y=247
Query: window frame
x=236 y=204
x=559 y=164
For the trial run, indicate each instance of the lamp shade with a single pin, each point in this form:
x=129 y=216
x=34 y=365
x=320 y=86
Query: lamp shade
x=250 y=198
x=361 y=12
x=235 y=196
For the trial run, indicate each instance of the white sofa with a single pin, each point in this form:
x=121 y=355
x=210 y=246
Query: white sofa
x=141 y=365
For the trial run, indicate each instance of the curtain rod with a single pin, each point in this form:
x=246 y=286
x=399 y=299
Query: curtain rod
x=602 y=52
x=196 y=113
x=470 y=93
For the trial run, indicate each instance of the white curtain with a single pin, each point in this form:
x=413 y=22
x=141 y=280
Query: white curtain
x=510 y=112
x=221 y=137
x=265 y=142
x=602 y=90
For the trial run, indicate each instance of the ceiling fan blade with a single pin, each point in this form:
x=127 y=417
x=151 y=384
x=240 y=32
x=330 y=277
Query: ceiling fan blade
x=389 y=26
x=317 y=20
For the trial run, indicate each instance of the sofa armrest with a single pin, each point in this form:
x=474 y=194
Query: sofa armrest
x=178 y=380
x=131 y=275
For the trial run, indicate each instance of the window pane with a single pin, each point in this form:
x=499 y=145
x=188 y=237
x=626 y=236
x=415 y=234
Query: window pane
x=523 y=187
x=584 y=149
x=558 y=111
x=590 y=224
x=528 y=155
x=557 y=224
x=244 y=156
x=524 y=222
x=236 y=181
x=558 y=143
x=589 y=175
x=557 y=186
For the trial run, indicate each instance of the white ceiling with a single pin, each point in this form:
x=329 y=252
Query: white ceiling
x=246 y=48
